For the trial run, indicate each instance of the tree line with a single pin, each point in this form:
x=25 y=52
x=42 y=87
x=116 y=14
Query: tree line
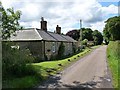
x=111 y=32
x=88 y=34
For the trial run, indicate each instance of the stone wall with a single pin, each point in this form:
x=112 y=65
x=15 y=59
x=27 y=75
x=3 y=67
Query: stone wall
x=68 y=49
x=36 y=48
x=45 y=50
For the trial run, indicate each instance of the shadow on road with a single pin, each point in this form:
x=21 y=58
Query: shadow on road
x=54 y=83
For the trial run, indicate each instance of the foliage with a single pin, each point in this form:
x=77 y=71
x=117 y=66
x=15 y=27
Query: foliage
x=74 y=48
x=23 y=82
x=61 y=51
x=53 y=57
x=112 y=29
x=10 y=22
x=14 y=61
x=98 y=38
x=87 y=34
x=74 y=34
x=84 y=42
x=113 y=55
x=15 y=71
x=90 y=44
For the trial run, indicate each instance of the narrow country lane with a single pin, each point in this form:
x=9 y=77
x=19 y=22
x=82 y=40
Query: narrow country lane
x=91 y=71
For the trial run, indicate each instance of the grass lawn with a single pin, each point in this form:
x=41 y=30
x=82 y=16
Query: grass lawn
x=44 y=69
x=23 y=82
x=113 y=54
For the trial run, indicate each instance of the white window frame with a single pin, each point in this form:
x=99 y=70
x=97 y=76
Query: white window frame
x=53 y=47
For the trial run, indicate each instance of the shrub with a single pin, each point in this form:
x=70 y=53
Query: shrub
x=61 y=51
x=84 y=42
x=74 y=48
x=14 y=60
x=90 y=44
x=53 y=57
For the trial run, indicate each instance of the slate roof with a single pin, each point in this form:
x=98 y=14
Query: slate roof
x=69 y=38
x=23 y=35
x=37 y=34
x=57 y=37
x=45 y=36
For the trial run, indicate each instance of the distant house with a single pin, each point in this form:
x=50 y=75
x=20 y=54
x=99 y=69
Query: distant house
x=43 y=43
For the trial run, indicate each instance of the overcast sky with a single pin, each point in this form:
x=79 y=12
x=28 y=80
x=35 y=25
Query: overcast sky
x=65 y=13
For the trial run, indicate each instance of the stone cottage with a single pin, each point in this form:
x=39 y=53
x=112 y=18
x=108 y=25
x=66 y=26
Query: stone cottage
x=43 y=43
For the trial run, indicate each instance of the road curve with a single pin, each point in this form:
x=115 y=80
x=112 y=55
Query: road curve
x=91 y=71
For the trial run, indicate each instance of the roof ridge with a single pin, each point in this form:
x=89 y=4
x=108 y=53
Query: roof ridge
x=28 y=28
x=38 y=33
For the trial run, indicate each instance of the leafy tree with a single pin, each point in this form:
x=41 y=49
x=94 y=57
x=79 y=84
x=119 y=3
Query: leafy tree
x=112 y=29
x=9 y=20
x=13 y=60
x=106 y=35
x=87 y=34
x=74 y=34
x=98 y=38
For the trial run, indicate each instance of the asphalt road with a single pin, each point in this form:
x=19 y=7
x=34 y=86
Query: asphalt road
x=89 y=72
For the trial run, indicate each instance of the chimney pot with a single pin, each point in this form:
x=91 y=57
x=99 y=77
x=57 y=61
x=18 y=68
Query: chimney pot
x=43 y=24
x=58 y=29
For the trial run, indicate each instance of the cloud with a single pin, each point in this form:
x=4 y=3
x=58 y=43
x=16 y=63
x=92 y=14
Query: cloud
x=63 y=13
x=111 y=9
x=98 y=26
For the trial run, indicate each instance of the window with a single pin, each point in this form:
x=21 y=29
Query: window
x=53 y=47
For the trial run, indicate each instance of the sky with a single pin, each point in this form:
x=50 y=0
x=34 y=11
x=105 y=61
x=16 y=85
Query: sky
x=65 y=13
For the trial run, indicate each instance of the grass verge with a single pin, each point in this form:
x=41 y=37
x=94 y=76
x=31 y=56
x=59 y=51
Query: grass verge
x=113 y=55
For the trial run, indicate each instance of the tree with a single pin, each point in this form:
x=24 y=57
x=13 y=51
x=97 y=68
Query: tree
x=112 y=29
x=74 y=34
x=14 y=60
x=106 y=36
x=98 y=38
x=87 y=34
x=9 y=20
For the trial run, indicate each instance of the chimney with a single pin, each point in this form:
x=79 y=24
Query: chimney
x=58 y=30
x=43 y=24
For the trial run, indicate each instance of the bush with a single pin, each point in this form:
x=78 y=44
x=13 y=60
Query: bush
x=114 y=49
x=84 y=42
x=74 y=49
x=53 y=57
x=14 y=60
x=61 y=51
x=90 y=44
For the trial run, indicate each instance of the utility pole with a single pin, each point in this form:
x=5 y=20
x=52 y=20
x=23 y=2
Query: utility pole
x=80 y=30
x=80 y=33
